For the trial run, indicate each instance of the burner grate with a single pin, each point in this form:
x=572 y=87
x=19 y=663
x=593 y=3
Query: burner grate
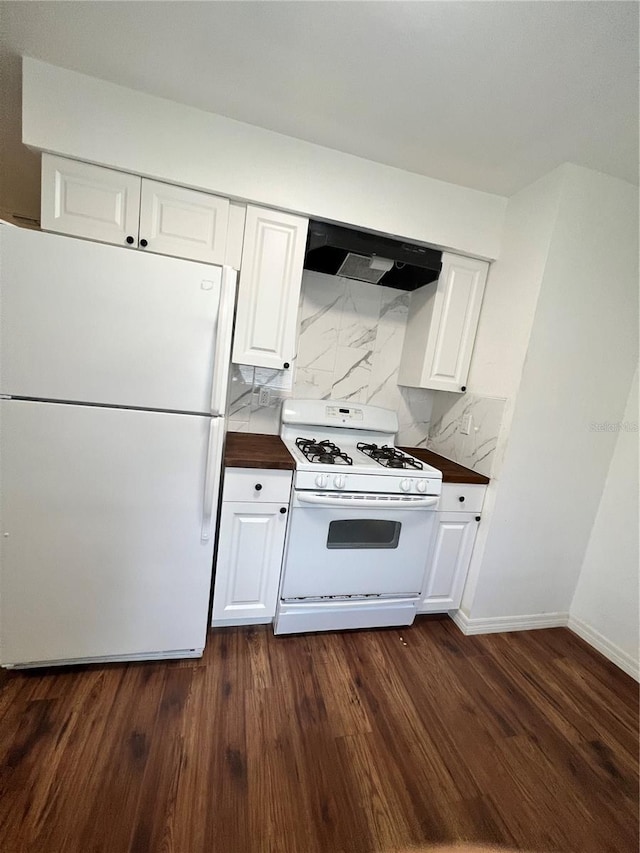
x=322 y=452
x=389 y=457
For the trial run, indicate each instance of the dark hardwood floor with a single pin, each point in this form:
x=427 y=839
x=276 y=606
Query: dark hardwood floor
x=344 y=742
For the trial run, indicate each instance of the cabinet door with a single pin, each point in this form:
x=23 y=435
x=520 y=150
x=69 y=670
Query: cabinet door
x=449 y=562
x=269 y=291
x=248 y=564
x=442 y=326
x=456 y=312
x=184 y=223
x=89 y=201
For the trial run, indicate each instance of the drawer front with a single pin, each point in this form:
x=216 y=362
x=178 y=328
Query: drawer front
x=450 y=499
x=241 y=484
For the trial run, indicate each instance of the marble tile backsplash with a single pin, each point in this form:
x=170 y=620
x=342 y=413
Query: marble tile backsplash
x=349 y=348
x=246 y=412
x=450 y=414
x=351 y=336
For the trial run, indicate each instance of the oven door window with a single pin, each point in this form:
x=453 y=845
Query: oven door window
x=363 y=533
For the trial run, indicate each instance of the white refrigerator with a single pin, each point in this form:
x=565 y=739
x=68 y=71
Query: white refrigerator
x=114 y=367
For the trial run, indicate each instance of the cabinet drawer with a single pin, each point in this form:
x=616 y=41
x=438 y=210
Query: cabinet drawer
x=240 y=485
x=450 y=499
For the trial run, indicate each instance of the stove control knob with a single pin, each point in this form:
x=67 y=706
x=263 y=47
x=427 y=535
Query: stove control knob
x=405 y=485
x=421 y=486
x=321 y=481
x=339 y=481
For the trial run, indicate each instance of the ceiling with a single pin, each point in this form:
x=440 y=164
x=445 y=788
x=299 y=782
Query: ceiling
x=490 y=95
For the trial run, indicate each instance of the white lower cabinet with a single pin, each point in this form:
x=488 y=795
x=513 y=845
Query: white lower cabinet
x=250 y=547
x=453 y=542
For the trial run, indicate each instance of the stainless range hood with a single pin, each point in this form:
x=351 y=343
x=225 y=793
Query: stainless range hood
x=337 y=250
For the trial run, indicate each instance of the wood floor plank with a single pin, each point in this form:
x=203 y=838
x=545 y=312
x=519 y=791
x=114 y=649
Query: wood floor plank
x=333 y=743
x=384 y=803
x=338 y=686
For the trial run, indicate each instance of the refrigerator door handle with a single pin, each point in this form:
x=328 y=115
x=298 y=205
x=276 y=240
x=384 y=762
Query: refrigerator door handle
x=211 y=477
x=222 y=354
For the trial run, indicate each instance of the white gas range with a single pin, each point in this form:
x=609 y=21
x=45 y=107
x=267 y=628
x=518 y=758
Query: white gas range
x=362 y=518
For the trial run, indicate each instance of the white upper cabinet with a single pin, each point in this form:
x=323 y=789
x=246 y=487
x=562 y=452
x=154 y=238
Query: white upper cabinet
x=115 y=207
x=443 y=319
x=269 y=290
x=181 y=222
x=89 y=201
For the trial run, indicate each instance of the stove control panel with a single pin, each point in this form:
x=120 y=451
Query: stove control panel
x=344 y=414
x=373 y=483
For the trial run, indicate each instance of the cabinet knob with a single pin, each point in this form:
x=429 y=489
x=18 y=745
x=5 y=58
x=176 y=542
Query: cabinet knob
x=461 y=499
x=283 y=509
x=144 y=245
x=258 y=487
x=463 y=387
x=286 y=365
x=130 y=240
x=477 y=518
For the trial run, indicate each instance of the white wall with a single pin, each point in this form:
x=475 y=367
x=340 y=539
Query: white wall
x=582 y=354
x=513 y=286
x=78 y=116
x=605 y=607
x=506 y=320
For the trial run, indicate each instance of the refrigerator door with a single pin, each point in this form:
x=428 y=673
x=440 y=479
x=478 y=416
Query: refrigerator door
x=91 y=323
x=103 y=517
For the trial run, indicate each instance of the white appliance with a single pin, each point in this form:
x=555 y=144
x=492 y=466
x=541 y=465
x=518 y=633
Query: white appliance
x=113 y=387
x=361 y=522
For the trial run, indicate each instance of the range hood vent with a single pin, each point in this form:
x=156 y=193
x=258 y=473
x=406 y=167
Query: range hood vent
x=337 y=250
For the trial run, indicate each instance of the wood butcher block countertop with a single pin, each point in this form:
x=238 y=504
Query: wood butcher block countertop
x=254 y=450
x=451 y=471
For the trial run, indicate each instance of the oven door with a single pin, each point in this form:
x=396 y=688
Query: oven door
x=357 y=545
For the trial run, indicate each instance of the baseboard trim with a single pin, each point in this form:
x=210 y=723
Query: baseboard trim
x=599 y=642
x=499 y=624
x=531 y=621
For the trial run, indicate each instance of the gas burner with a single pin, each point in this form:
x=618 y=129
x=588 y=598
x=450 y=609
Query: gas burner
x=389 y=457
x=322 y=452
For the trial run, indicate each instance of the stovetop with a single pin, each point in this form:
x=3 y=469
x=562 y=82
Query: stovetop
x=326 y=452
x=390 y=457
x=322 y=452
x=342 y=447
x=354 y=469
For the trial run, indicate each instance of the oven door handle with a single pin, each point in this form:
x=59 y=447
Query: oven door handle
x=374 y=502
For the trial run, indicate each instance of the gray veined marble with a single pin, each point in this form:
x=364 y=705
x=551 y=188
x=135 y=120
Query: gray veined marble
x=349 y=348
x=322 y=301
x=383 y=385
x=450 y=413
x=414 y=416
x=360 y=315
x=352 y=372
x=240 y=392
x=313 y=384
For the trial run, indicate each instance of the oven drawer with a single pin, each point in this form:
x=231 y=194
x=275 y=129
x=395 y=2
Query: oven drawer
x=461 y=498
x=256 y=484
